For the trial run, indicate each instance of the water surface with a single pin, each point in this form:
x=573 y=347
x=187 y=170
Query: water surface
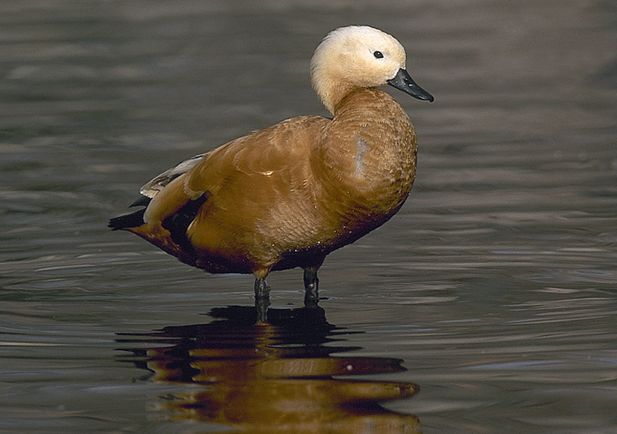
x=487 y=305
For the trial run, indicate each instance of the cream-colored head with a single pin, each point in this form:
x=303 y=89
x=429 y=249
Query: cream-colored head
x=354 y=57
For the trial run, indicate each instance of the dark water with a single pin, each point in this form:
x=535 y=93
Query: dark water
x=491 y=298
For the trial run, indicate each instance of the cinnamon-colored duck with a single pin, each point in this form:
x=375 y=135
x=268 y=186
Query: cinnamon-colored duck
x=288 y=195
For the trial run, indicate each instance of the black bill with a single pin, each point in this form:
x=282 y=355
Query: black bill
x=403 y=81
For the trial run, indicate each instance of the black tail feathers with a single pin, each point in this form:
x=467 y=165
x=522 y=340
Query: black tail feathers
x=126 y=221
x=177 y=223
x=141 y=201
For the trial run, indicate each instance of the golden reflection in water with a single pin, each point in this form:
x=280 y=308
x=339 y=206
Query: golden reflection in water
x=272 y=377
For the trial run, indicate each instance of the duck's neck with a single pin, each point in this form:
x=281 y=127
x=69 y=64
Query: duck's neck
x=373 y=106
x=331 y=92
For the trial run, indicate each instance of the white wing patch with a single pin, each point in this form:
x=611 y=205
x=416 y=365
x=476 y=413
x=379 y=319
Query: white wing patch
x=361 y=148
x=156 y=184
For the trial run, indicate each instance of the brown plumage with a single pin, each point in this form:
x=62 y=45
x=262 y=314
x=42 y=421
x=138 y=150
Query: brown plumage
x=288 y=195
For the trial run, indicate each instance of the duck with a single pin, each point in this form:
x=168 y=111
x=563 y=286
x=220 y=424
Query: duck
x=288 y=195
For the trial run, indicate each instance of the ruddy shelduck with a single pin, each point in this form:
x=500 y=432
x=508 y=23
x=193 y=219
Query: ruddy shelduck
x=288 y=195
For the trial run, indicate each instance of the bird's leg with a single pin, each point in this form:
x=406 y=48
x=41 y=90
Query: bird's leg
x=311 y=287
x=262 y=289
x=262 y=299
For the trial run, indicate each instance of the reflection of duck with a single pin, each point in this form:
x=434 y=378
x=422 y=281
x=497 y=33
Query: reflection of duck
x=288 y=195
x=273 y=377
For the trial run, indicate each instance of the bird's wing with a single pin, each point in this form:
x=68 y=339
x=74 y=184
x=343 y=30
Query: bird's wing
x=235 y=182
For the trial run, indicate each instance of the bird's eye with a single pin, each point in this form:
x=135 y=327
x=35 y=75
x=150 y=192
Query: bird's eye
x=378 y=54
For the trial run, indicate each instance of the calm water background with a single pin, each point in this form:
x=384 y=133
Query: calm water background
x=495 y=284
